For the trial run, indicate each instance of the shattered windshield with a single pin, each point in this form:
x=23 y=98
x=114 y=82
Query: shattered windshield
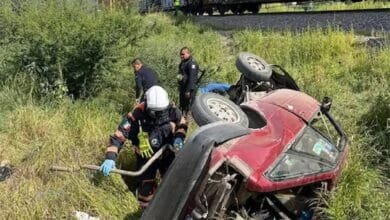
x=314 y=144
x=313 y=152
x=295 y=166
x=322 y=124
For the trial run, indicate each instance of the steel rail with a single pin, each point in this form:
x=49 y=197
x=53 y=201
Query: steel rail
x=379 y=10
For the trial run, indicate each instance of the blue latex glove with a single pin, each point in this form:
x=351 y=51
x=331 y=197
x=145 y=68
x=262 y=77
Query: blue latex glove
x=178 y=144
x=107 y=166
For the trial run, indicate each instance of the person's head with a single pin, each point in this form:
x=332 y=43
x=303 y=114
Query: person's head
x=137 y=64
x=185 y=53
x=156 y=100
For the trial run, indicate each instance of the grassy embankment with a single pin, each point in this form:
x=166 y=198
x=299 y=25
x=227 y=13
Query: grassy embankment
x=323 y=6
x=66 y=44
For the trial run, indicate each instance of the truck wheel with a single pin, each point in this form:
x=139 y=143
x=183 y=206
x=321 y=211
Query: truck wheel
x=253 y=67
x=221 y=12
x=234 y=10
x=211 y=107
x=222 y=9
x=209 y=11
x=254 y=8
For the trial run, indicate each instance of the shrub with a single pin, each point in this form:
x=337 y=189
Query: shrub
x=66 y=46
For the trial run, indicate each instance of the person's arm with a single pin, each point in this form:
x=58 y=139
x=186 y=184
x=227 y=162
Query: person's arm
x=176 y=127
x=127 y=129
x=192 y=72
x=181 y=128
x=180 y=131
x=182 y=75
x=124 y=131
x=138 y=86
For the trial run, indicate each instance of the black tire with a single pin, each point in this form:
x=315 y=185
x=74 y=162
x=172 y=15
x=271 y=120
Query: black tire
x=254 y=8
x=221 y=12
x=222 y=9
x=234 y=10
x=281 y=79
x=206 y=109
x=253 y=67
x=209 y=11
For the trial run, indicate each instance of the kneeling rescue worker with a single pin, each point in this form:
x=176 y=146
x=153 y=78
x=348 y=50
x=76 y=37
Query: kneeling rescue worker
x=151 y=125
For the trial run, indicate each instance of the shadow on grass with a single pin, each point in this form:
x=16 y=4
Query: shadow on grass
x=375 y=123
x=133 y=216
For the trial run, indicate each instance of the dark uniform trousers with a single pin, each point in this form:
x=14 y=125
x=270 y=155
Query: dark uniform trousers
x=189 y=71
x=159 y=134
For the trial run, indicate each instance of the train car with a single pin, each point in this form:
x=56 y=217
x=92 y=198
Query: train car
x=199 y=7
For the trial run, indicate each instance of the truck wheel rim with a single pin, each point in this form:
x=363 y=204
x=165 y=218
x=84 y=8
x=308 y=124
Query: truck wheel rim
x=255 y=63
x=222 y=110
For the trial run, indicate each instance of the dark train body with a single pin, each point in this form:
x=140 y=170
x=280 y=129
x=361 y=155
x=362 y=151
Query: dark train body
x=209 y=6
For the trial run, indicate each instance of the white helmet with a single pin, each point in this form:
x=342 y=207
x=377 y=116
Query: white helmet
x=156 y=98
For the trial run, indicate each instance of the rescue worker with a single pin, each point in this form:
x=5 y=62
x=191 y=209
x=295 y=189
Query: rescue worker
x=188 y=77
x=145 y=78
x=151 y=125
x=177 y=6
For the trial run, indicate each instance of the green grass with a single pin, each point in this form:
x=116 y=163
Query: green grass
x=37 y=132
x=36 y=137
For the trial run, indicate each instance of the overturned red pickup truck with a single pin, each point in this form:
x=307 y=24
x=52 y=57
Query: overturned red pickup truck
x=268 y=162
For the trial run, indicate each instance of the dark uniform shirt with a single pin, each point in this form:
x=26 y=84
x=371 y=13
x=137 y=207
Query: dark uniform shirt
x=158 y=128
x=144 y=79
x=159 y=133
x=189 y=71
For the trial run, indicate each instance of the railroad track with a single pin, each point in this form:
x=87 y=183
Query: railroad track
x=361 y=21
x=375 y=10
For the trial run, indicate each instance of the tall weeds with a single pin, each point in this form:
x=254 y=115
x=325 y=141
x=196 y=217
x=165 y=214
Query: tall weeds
x=34 y=138
x=91 y=51
x=67 y=46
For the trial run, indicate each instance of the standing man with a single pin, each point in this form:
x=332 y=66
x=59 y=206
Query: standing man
x=145 y=78
x=188 y=77
x=177 y=6
x=151 y=125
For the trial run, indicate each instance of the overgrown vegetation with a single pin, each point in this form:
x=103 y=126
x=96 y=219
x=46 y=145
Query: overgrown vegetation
x=66 y=81
x=67 y=47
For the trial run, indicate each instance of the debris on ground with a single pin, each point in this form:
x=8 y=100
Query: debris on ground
x=370 y=41
x=84 y=216
x=5 y=170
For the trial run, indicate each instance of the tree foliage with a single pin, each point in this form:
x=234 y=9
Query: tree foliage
x=66 y=46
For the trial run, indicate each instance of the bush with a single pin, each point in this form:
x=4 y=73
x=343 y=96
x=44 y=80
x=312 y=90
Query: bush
x=66 y=46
